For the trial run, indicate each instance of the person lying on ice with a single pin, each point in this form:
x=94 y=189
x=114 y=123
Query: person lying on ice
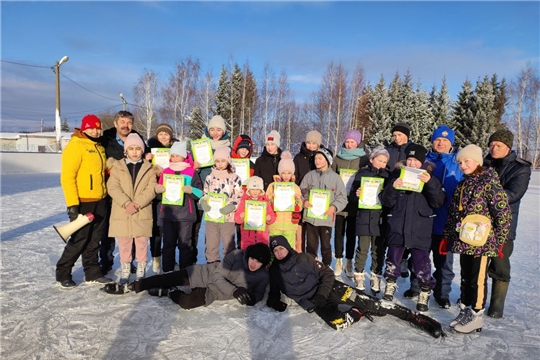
x=242 y=275
x=312 y=285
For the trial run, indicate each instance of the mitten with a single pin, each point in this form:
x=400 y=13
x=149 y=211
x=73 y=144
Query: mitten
x=204 y=205
x=227 y=209
x=501 y=255
x=296 y=217
x=279 y=306
x=319 y=300
x=241 y=294
x=73 y=212
x=159 y=189
x=443 y=246
x=187 y=189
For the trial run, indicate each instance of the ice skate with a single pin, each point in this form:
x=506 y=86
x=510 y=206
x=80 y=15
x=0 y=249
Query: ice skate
x=471 y=322
x=360 y=280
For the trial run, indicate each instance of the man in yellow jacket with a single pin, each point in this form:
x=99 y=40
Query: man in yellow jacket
x=84 y=185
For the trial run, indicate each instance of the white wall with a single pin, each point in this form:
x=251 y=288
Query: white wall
x=25 y=162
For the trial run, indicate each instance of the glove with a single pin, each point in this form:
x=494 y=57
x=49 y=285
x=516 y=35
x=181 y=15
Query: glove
x=296 y=217
x=227 y=209
x=443 y=246
x=279 y=306
x=204 y=205
x=242 y=295
x=73 y=212
x=187 y=189
x=358 y=314
x=501 y=255
x=319 y=300
x=159 y=189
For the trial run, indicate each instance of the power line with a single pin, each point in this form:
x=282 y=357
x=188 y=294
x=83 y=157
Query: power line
x=16 y=63
x=108 y=98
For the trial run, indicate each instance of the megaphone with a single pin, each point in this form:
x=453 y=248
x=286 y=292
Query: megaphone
x=65 y=231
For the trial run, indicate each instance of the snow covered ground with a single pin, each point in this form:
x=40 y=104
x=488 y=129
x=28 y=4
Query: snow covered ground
x=41 y=321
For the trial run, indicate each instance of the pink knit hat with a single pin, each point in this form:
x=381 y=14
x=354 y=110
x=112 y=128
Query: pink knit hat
x=133 y=139
x=223 y=152
x=286 y=162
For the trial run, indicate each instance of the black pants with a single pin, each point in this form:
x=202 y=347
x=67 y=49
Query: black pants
x=157 y=230
x=195 y=234
x=345 y=227
x=474 y=280
x=84 y=242
x=499 y=269
x=324 y=233
x=378 y=251
x=106 y=250
x=177 y=234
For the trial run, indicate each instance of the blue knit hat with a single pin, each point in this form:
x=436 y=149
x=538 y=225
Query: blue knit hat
x=445 y=132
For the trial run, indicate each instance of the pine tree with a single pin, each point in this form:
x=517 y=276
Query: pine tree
x=422 y=123
x=196 y=124
x=484 y=117
x=222 y=98
x=501 y=99
x=64 y=126
x=441 y=106
x=462 y=115
x=379 y=109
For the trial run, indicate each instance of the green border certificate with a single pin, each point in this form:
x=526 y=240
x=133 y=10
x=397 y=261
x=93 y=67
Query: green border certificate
x=347 y=175
x=161 y=157
x=411 y=182
x=320 y=201
x=255 y=215
x=202 y=152
x=284 y=196
x=241 y=167
x=174 y=193
x=370 y=188
x=216 y=202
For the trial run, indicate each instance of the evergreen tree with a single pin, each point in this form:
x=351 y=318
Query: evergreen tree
x=222 y=98
x=380 y=116
x=228 y=99
x=484 y=117
x=422 y=122
x=361 y=116
x=462 y=115
x=196 y=123
x=64 y=127
x=501 y=99
x=441 y=106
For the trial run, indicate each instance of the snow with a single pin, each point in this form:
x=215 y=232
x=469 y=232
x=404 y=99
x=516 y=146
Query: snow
x=41 y=321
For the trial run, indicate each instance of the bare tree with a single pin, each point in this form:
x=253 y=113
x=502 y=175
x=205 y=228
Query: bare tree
x=268 y=94
x=145 y=98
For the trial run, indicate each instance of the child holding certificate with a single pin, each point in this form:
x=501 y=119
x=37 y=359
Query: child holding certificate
x=222 y=180
x=178 y=219
x=131 y=186
x=266 y=165
x=364 y=196
x=254 y=211
x=410 y=223
x=286 y=198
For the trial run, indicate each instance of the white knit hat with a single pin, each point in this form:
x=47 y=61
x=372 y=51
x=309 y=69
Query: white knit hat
x=273 y=137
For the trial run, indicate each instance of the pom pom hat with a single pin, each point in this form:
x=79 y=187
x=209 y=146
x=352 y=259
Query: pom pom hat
x=286 y=162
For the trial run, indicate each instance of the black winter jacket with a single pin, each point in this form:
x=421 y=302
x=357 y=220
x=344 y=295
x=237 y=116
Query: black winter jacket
x=304 y=162
x=397 y=154
x=266 y=166
x=112 y=147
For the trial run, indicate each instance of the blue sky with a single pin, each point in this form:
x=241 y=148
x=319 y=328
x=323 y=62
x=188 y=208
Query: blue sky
x=111 y=43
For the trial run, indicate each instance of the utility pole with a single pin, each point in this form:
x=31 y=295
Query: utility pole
x=58 y=129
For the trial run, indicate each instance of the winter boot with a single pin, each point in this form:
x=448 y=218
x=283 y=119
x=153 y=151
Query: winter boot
x=349 y=268
x=463 y=312
x=429 y=325
x=375 y=282
x=404 y=268
x=498 y=295
x=156 y=264
x=391 y=287
x=413 y=291
x=339 y=267
x=141 y=270
x=472 y=322
x=126 y=271
x=360 y=280
x=423 y=298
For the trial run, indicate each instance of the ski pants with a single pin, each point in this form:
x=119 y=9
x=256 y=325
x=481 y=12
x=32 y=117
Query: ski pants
x=474 y=280
x=345 y=226
x=177 y=234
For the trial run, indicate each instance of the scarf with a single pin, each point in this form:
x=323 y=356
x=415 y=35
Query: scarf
x=129 y=161
x=221 y=174
x=352 y=154
x=179 y=166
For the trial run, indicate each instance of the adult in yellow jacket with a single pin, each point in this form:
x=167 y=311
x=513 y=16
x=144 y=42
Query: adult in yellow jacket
x=83 y=182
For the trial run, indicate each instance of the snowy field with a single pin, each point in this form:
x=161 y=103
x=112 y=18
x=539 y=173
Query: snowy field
x=41 y=321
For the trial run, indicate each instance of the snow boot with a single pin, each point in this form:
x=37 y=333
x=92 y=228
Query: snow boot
x=443 y=303
x=498 y=295
x=423 y=298
x=124 y=275
x=339 y=267
x=472 y=322
x=156 y=264
x=414 y=291
x=349 y=268
x=427 y=324
x=375 y=282
x=360 y=280
x=141 y=270
x=391 y=287
x=115 y=289
x=404 y=268
x=463 y=311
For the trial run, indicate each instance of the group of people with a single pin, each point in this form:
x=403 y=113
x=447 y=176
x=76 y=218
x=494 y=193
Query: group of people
x=127 y=197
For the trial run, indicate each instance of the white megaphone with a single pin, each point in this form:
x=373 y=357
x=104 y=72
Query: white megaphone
x=65 y=231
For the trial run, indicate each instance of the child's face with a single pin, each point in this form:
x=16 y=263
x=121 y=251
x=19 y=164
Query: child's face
x=312 y=146
x=399 y=138
x=379 y=161
x=254 y=193
x=215 y=133
x=134 y=152
x=175 y=158
x=271 y=148
x=467 y=165
x=221 y=164
x=243 y=152
x=286 y=175
x=320 y=162
x=164 y=137
x=414 y=163
x=254 y=264
x=350 y=144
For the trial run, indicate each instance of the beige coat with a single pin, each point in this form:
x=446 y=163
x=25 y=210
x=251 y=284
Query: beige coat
x=122 y=191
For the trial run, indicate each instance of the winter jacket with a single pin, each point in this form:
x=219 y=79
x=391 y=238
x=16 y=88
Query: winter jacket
x=235 y=155
x=482 y=194
x=397 y=154
x=124 y=190
x=448 y=172
x=300 y=277
x=304 y=162
x=284 y=218
x=324 y=180
x=250 y=237
x=368 y=221
x=266 y=166
x=222 y=182
x=112 y=147
x=410 y=217
x=514 y=175
x=186 y=212
x=355 y=164
x=83 y=170
x=153 y=143
x=222 y=278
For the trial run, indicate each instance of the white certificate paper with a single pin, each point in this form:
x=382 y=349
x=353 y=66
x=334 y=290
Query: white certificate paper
x=347 y=175
x=173 y=195
x=320 y=201
x=216 y=202
x=255 y=215
x=202 y=152
x=241 y=168
x=410 y=179
x=369 y=193
x=284 y=196
x=160 y=157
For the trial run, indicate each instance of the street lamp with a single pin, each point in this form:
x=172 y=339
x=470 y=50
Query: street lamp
x=123 y=101
x=58 y=120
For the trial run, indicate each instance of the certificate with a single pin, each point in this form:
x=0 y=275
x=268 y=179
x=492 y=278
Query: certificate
x=284 y=196
x=216 y=202
x=202 y=152
x=410 y=179
x=320 y=201
x=161 y=157
x=241 y=167
x=347 y=175
x=174 y=193
x=370 y=188
x=255 y=215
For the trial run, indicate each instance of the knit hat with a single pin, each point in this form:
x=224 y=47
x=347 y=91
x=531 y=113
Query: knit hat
x=354 y=135
x=217 y=122
x=473 y=152
x=260 y=252
x=418 y=152
x=314 y=136
x=255 y=183
x=273 y=137
x=223 y=152
x=286 y=162
x=179 y=148
x=245 y=143
x=504 y=136
x=445 y=132
x=379 y=150
x=133 y=139
x=327 y=154
x=402 y=127
x=164 y=128
x=279 y=240
x=90 y=122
